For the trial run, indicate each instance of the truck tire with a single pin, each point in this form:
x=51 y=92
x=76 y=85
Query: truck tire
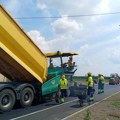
x=7 y=100
x=26 y=97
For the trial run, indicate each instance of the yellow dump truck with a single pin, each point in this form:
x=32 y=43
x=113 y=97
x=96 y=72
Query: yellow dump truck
x=26 y=66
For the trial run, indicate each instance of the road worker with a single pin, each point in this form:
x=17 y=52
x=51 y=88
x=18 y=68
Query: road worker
x=103 y=82
x=90 y=87
x=100 y=83
x=63 y=85
x=70 y=63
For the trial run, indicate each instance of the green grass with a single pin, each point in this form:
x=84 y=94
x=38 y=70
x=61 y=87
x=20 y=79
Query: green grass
x=116 y=104
x=79 y=79
x=84 y=78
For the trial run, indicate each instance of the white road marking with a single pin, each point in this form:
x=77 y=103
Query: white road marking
x=43 y=110
x=89 y=106
x=58 y=106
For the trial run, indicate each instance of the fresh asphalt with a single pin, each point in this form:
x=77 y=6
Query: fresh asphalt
x=52 y=110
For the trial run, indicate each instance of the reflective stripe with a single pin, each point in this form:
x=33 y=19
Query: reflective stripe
x=91 y=98
x=62 y=100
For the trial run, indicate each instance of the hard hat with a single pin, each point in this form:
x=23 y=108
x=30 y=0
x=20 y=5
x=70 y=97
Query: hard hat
x=89 y=73
x=63 y=76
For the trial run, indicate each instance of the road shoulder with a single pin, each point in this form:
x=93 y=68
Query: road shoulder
x=107 y=109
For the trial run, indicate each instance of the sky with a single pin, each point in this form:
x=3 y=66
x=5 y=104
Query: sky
x=95 y=38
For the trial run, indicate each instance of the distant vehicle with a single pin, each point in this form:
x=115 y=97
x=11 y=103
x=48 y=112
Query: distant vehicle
x=114 y=79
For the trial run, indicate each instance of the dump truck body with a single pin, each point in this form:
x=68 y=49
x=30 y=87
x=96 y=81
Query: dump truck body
x=22 y=62
x=20 y=58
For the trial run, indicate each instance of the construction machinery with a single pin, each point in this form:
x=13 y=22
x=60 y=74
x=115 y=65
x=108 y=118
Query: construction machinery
x=26 y=66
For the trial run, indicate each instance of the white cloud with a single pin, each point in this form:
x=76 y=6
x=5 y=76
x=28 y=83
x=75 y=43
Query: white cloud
x=114 y=54
x=69 y=32
x=93 y=57
x=84 y=47
x=65 y=26
x=39 y=40
x=114 y=5
x=72 y=7
x=41 y=6
x=102 y=7
x=100 y=57
x=61 y=43
x=89 y=36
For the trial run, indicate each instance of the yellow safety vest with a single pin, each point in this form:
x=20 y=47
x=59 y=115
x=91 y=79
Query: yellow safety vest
x=63 y=84
x=70 y=64
x=101 y=79
x=90 y=82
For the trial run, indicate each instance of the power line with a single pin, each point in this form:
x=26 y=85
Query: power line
x=70 y=16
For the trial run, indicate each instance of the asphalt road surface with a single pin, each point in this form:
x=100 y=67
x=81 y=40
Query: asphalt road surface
x=52 y=110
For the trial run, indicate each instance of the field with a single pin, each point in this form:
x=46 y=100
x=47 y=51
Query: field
x=82 y=79
x=108 y=109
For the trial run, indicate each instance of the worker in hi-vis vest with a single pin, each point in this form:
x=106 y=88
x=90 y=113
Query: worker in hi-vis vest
x=63 y=85
x=90 y=87
x=101 y=82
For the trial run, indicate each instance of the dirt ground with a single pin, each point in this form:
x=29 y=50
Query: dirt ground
x=106 y=110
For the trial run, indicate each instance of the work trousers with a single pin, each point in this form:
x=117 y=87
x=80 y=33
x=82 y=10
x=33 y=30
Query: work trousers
x=90 y=93
x=100 y=87
x=63 y=93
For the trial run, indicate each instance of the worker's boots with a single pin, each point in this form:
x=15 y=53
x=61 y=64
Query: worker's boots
x=62 y=100
x=99 y=91
x=90 y=99
x=102 y=91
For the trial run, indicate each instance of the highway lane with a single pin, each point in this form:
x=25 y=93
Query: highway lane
x=53 y=111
